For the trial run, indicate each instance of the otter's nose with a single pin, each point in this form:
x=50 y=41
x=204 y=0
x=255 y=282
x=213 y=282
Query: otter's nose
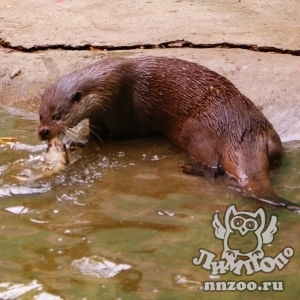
x=44 y=134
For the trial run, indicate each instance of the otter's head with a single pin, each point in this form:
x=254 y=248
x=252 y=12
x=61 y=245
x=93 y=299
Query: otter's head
x=64 y=104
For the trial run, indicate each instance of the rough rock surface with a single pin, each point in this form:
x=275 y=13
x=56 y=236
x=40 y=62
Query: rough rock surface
x=41 y=40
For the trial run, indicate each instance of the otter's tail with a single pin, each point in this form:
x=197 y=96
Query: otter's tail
x=259 y=188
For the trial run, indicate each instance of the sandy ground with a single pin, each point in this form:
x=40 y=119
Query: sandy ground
x=31 y=31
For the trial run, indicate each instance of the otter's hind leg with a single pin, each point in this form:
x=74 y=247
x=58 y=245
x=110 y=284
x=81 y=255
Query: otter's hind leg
x=201 y=145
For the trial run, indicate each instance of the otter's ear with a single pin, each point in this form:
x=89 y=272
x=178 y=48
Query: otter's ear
x=76 y=97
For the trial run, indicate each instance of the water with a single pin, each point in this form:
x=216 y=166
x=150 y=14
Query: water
x=124 y=222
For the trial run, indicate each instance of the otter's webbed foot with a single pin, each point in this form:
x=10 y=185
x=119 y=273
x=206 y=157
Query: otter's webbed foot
x=201 y=169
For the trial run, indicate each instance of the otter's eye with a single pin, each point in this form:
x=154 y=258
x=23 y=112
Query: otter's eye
x=76 y=97
x=56 y=117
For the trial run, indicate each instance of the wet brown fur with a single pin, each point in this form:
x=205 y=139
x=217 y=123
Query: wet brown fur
x=197 y=109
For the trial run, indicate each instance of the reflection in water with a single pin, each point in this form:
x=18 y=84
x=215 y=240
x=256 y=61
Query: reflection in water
x=18 y=291
x=10 y=190
x=97 y=222
x=131 y=280
x=98 y=267
x=17 y=210
x=188 y=283
x=123 y=222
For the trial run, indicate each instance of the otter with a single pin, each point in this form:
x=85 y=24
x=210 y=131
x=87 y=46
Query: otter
x=198 y=110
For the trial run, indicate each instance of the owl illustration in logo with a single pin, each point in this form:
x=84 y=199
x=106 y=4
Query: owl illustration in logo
x=243 y=228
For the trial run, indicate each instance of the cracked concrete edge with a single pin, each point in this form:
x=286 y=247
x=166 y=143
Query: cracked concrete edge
x=162 y=45
x=271 y=81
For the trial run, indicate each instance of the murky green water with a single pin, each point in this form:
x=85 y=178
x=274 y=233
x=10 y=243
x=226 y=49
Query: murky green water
x=124 y=223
